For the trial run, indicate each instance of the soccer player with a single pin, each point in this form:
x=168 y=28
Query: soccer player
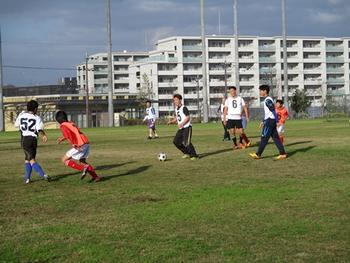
x=269 y=126
x=30 y=125
x=234 y=106
x=282 y=114
x=81 y=147
x=151 y=117
x=221 y=111
x=182 y=139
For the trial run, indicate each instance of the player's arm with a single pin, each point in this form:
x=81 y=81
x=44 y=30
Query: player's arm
x=225 y=115
x=40 y=129
x=65 y=135
x=172 y=120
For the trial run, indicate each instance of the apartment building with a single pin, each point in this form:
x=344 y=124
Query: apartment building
x=318 y=65
x=97 y=72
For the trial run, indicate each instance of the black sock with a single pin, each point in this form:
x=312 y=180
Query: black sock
x=240 y=139
x=234 y=139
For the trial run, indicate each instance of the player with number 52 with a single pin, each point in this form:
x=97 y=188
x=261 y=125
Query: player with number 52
x=30 y=126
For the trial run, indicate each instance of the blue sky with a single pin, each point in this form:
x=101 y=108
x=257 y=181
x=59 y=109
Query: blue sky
x=44 y=33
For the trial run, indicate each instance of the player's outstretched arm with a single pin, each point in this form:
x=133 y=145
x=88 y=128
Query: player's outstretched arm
x=60 y=140
x=43 y=136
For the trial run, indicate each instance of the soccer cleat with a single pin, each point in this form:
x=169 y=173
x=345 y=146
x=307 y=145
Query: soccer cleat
x=255 y=156
x=149 y=138
x=185 y=156
x=281 y=157
x=242 y=146
x=27 y=181
x=85 y=170
x=248 y=144
x=193 y=158
x=156 y=137
x=235 y=147
x=47 y=178
x=97 y=179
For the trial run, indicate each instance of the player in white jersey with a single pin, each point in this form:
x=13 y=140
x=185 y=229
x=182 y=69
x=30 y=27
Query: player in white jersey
x=234 y=106
x=221 y=112
x=269 y=126
x=151 y=118
x=182 y=139
x=30 y=126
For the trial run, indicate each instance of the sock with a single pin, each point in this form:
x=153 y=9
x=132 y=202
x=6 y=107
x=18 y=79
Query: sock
x=74 y=165
x=245 y=138
x=38 y=169
x=240 y=139
x=28 y=171
x=234 y=139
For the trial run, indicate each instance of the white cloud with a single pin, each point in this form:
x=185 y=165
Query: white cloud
x=325 y=17
x=161 y=32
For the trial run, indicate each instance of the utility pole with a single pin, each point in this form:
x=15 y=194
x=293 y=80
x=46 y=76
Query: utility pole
x=110 y=73
x=235 y=29
x=2 y=122
x=204 y=67
x=285 y=62
x=225 y=78
x=87 y=111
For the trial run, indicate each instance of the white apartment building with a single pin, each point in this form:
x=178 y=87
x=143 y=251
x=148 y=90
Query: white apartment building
x=318 y=65
x=98 y=72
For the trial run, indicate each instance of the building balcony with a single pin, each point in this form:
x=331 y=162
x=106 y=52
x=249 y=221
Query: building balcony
x=193 y=72
x=335 y=59
x=192 y=59
x=335 y=70
x=332 y=81
x=334 y=49
x=312 y=81
x=166 y=108
x=167 y=84
x=267 y=59
x=101 y=81
x=193 y=96
x=192 y=48
x=267 y=48
x=167 y=72
x=267 y=71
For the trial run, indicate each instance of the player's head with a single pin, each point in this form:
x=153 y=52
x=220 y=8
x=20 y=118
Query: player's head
x=32 y=106
x=279 y=103
x=61 y=116
x=264 y=90
x=148 y=103
x=177 y=98
x=233 y=91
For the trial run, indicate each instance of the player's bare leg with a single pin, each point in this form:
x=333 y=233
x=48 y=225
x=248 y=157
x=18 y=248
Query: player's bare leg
x=234 y=139
x=247 y=142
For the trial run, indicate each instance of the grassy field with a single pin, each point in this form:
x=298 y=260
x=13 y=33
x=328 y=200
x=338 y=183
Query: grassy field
x=223 y=207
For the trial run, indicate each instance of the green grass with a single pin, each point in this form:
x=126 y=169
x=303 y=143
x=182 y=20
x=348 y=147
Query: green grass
x=223 y=207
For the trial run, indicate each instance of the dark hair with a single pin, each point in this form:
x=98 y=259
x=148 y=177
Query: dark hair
x=177 y=96
x=32 y=105
x=61 y=116
x=148 y=101
x=265 y=87
x=279 y=101
x=232 y=87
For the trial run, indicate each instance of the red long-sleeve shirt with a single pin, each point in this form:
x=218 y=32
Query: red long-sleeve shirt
x=282 y=115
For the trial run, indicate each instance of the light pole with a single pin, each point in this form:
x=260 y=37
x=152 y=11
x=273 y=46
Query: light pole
x=87 y=111
x=2 y=122
x=198 y=103
x=204 y=67
x=285 y=62
x=110 y=73
x=235 y=29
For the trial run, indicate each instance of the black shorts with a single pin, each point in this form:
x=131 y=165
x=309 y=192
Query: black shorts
x=234 y=124
x=29 y=145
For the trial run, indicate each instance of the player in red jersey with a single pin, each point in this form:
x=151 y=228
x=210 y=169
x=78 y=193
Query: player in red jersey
x=282 y=115
x=81 y=147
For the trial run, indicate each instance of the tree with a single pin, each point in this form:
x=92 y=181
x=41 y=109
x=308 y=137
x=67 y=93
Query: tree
x=300 y=102
x=145 y=91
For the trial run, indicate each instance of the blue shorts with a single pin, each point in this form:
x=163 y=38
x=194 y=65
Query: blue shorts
x=151 y=124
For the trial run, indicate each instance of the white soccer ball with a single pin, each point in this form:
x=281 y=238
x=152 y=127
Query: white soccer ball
x=162 y=157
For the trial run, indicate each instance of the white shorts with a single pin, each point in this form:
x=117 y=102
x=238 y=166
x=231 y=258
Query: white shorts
x=280 y=129
x=79 y=153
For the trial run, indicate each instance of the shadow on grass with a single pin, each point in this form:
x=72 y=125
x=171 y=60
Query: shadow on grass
x=203 y=155
x=97 y=168
x=293 y=152
x=296 y=143
x=131 y=172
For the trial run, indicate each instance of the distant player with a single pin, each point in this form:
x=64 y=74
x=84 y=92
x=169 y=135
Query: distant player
x=234 y=106
x=151 y=118
x=221 y=112
x=269 y=126
x=30 y=126
x=81 y=147
x=282 y=114
x=182 y=139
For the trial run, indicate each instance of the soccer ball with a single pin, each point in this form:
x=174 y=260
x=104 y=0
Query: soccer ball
x=162 y=157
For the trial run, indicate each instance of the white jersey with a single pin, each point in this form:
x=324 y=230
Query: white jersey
x=29 y=124
x=150 y=114
x=234 y=107
x=181 y=113
x=269 y=112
